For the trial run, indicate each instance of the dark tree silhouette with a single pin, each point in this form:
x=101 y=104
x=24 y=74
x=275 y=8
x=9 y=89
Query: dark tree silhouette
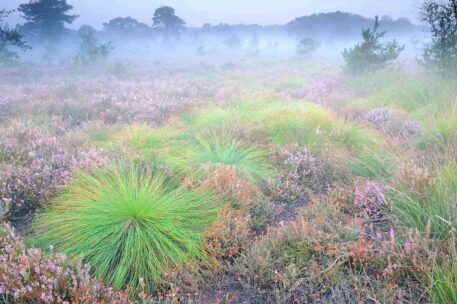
x=166 y=23
x=371 y=54
x=441 y=53
x=46 y=19
x=9 y=38
x=126 y=27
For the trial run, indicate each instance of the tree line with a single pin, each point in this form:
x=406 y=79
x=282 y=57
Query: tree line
x=46 y=22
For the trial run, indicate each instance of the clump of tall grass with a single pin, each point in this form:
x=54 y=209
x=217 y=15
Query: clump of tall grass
x=436 y=203
x=153 y=144
x=144 y=137
x=209 y=118
x=222 y=147
x=443 y=276
x=441 y=133
x=127 y=224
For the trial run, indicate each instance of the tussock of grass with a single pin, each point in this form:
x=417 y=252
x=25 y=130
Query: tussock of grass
x=436 y=204
x=212 y=148
x=443 y=278
x=210 y=118
x=144 y=137
x=126 y=224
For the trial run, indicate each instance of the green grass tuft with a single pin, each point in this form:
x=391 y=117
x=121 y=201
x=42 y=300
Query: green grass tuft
x=127 y=224
x=436 y=204
x=212 y=148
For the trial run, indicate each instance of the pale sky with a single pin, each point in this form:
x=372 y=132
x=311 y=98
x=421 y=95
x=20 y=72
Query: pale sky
x=197 y=12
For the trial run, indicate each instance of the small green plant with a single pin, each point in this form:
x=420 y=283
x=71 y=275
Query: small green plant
x=371 y=54
x=127 y=224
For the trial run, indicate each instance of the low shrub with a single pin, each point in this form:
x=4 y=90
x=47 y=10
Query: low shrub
x=301 y=174
x=34 y=165
x=29 y=275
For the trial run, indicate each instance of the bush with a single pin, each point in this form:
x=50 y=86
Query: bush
x=307 y=46
x=371 y=54
x=34 y=165
x=90 y=51
x=127 y=224
x=28 y=275
x=301 y=174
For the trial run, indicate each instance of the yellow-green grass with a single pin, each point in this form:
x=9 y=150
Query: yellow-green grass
x=155 y=144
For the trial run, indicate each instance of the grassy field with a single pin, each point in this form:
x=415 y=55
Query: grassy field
x=250 y=182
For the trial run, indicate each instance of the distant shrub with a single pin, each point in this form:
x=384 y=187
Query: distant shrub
x=371 y=54
x=307 y=46
x=90 y=51
x=234 y=42
x=127 y=224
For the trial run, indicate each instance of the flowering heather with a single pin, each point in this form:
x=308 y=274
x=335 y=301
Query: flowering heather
x=371 y=199
x=34 y=165
x=328 y=90
x=301 y=174
x=28 y=275
x=393 y=124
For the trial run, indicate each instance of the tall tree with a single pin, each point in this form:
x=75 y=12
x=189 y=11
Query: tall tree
x=46 y=19
x=166 y=23
x=9 y=38
x=126 y=27
x=441 y=53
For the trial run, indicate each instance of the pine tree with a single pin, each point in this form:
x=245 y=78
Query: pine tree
x=371 y=54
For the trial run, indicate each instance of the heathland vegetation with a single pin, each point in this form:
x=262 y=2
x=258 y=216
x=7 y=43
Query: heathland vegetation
x=228 y=179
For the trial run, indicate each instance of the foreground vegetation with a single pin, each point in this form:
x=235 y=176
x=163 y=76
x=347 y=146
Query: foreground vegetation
x=185 y=183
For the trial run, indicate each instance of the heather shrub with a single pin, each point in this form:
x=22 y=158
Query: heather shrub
x=244 y=213
x=29 y=275
x=370 y=198
x=301 y=174
x=34 y=165
x=148 y=225
x=388 y=121
x=320 y=257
